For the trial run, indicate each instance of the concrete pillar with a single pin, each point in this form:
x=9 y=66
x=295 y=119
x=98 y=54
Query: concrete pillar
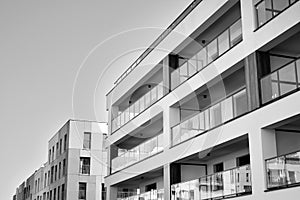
x=252 y=84
x=171 y=117
x=167 y=185
x=172 y=175
x=248 y=18
x=112 y=152
x=111 y=193
x=262 y=145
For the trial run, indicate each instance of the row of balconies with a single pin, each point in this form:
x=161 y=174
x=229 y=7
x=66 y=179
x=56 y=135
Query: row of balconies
x=280 y=82
x=282 y=171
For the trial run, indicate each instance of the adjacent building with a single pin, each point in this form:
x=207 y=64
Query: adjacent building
x=211 y=109
x=75 y=167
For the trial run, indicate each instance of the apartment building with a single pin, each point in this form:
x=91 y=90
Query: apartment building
x=75 y=167
x=214 y=115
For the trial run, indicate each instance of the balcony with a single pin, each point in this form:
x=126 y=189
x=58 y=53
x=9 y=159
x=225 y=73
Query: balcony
x=233 y=182
x=216 y=114
x=217 y=47
x=140 y=152
x=268 y=9
x=283 y=171
x=137 y=107
x=151 y=195
x=283 y=80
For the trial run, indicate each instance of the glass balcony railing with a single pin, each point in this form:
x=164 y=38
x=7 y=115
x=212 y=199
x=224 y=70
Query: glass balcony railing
x=139 y=106
x=283 y=171
x=220 y=185
x=151 y=195
x=225 y=41
x=229 y=108
x=144 y=150
x=282 y=81
x=268 y=9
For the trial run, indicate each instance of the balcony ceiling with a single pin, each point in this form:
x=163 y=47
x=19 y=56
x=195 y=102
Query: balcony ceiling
x=289 y=47
x=218 y=151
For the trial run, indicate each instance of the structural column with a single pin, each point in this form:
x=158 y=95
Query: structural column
x=262 y=145
x=252 y=85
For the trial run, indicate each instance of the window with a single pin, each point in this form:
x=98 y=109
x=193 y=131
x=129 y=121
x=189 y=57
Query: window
x=60 y=146
x=52 y=173
x=52 y=153
x=63 y=192
x=45 y=181
x=82 y=191
x=48 y=177
x=54 y=194
x=49 y=159
x=64 y=167
x=65 y=142
x=59 y=169
x=85 y=165
x=218 y=167
x=56 y=149
x=243 y=160
x=87 y=140
x=58 y=192
x=50 y=194
x=55 y=176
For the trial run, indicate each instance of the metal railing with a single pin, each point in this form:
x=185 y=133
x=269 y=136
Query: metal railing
x=214 y=49
x=268 y=9
x=283 y=171
x=220 y=185
x=137 y=107
x=140 y=152
x=151 y=195
x=281 y=81
x=216 y=114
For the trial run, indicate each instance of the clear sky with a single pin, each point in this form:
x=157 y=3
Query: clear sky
x=42 y=46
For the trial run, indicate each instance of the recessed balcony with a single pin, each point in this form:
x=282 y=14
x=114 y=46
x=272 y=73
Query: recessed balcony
x=229 y=183
x=284 y=80
x=141 y=104
x=140 y=152
x=216 y=114
x=266 y=10
x=210 y=52
x=283 y=171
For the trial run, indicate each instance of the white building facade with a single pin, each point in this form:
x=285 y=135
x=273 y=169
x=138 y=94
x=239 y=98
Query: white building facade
x=216 y=113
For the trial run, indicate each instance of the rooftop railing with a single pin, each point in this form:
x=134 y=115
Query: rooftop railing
x=268 y=9
x=283 y=171
x=137 y=107
x=217 y=47
x=229 y=183
x=140 y=152
x=151 y=195
x=282 y=81
x=216 y=114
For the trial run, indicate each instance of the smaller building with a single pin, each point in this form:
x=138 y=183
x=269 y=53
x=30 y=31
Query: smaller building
x=75 y=167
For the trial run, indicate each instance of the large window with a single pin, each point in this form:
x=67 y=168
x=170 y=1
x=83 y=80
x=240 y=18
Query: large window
x=65 y=142
x=64 y=167
x=87 y=140
x=85 y=165
x=82 y=191
x=63 y=192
